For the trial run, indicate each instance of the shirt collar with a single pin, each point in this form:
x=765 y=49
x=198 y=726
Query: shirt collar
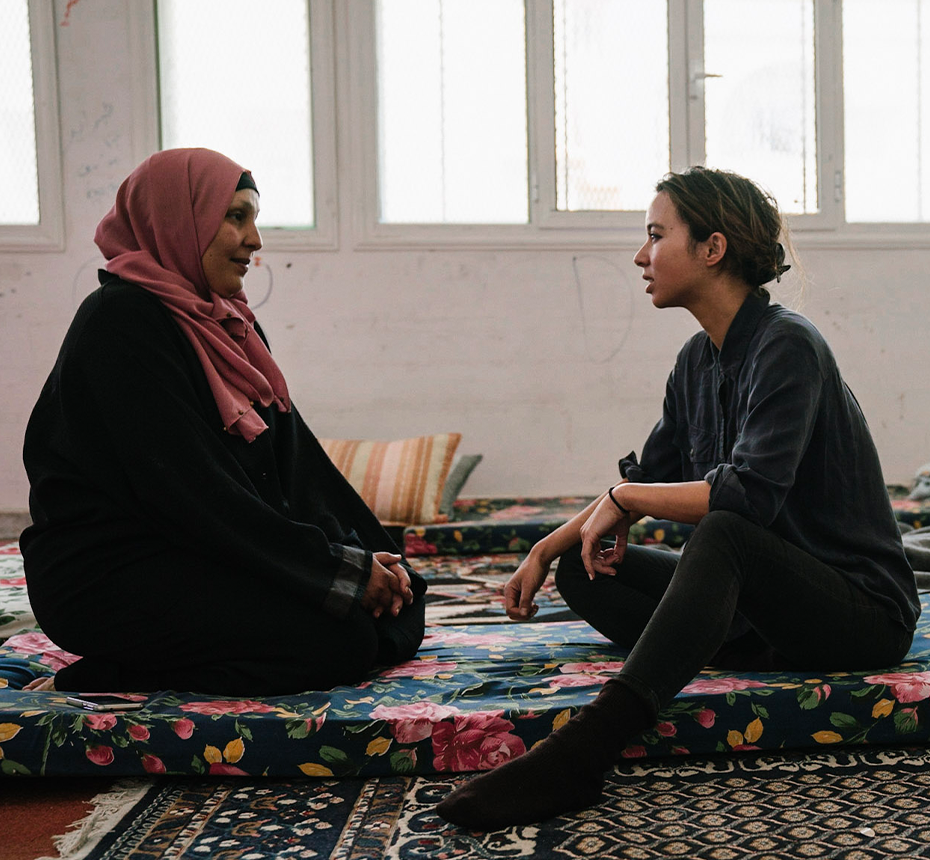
x=741 y=330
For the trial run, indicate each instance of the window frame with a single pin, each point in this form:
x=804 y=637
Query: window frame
x=548 y=227
x=324 y=234
x=344 y=59
x=828 y=76
x=48 y=234
x=359 y=25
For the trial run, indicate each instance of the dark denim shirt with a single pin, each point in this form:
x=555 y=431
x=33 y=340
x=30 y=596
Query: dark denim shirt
x=769 y=423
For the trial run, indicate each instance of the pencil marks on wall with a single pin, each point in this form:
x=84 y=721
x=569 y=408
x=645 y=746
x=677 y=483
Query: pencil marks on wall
x=97 y=152
x=260 y=283
x=605 y=305
x=85 y=279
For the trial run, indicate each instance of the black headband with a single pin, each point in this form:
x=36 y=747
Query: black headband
x=246 y=181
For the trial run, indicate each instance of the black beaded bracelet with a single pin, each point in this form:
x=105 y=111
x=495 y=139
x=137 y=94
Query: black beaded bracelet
x=623 y=510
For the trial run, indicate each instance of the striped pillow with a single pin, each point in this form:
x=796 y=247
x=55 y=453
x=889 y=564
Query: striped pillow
x=401 y=481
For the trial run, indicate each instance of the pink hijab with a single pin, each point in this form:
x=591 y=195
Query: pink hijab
x=166 y=214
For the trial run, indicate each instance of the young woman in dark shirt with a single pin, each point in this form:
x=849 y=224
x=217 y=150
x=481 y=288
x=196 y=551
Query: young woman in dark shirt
x=189 y=532
x=795 y=560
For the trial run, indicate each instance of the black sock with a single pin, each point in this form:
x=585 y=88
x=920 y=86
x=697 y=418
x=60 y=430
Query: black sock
x=562 y=773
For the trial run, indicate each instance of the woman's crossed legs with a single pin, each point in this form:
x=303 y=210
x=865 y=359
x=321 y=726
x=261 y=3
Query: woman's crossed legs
x=678 y=616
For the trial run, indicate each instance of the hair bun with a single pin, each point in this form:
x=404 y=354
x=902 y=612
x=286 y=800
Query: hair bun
x=780 y=265
x=775 y=270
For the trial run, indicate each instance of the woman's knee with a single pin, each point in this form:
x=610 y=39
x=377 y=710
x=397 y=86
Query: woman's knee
x=400 y=637
x=723 y=528
x=722 y=519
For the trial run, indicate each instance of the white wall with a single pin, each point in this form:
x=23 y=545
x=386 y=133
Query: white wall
x=551 y=363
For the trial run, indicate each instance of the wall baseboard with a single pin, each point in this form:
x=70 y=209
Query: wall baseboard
x=12 y=523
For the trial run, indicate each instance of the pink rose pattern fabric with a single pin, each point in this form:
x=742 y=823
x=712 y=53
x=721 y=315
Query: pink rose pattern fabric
x=16 y=615
x=38 y=643
x=904 y=686
x=477 y=741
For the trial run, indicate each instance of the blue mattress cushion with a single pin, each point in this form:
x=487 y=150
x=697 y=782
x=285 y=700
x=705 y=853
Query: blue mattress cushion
x=475 y=696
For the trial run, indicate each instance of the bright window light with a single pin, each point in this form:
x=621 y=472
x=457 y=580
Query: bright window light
x=611 y=102
x=452 y=120
x=886 y=86
x=237 y=81
x=760 y=116
x=19 y=204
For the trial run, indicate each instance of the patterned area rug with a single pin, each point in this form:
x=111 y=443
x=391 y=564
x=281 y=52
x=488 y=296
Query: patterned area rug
x=858 y=805
x=470 y=590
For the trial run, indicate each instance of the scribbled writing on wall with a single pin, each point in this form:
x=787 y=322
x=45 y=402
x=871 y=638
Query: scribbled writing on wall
x=605 y=305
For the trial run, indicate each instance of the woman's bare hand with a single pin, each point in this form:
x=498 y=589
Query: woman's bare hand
x=606 y=520
x=521 y=588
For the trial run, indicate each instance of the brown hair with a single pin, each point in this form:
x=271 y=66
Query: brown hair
x=717 y=201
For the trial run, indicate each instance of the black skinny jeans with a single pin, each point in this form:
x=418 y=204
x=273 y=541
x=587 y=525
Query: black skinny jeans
x=675 y=613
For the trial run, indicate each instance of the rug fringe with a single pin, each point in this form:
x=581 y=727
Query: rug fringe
x=108 y=808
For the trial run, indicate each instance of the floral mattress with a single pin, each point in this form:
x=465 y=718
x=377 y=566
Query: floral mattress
x=915 y=514
x=514 y=525
x=475 y=696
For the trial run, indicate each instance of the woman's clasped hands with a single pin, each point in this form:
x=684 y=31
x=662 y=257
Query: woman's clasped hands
x=388 y=586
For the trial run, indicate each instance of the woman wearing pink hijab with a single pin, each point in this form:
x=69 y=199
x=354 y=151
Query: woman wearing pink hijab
x=189 y=532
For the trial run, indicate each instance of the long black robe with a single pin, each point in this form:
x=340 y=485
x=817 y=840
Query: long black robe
x=171 y=553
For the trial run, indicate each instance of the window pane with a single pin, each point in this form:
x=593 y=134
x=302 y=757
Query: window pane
x=235 y=77
x=19 y=204
x=611 y=102
x=760 y=117
x=452 y=111
x=887 y=86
